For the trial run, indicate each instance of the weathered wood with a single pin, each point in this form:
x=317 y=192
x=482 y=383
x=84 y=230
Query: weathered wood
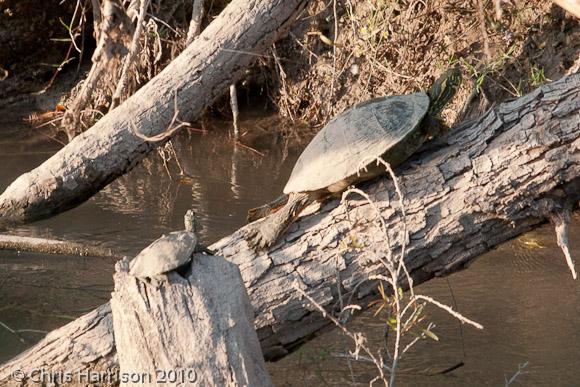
x=484 y=183
x=85 y=348
x=197 y=14
x=52 y=246
x=194 y=330
x=199 y=75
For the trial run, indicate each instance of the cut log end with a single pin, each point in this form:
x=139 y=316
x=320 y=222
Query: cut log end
x=199 y=328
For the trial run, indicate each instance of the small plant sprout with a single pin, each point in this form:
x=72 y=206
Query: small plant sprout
x=537 y=76
x=521 y=371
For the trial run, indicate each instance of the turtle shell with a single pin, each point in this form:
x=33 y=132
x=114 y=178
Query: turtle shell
x=165 y=254
x=358 y=135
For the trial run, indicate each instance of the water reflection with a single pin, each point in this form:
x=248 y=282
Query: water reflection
x=39 y=293
x=522 y=292
x=525 y=298
x=205 y=171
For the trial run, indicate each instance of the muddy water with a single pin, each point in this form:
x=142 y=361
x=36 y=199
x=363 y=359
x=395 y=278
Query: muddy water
x=523 y=295
x=521 y=292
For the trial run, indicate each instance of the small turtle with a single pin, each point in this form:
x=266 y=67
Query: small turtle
x=344 y=152
x=169 y=252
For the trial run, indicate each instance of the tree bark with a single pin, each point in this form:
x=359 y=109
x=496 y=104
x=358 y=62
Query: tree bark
x=197 y=330
x=485 y=182
x=197 y=14
x=53 y=246
x=202 y=73
x=84 y=346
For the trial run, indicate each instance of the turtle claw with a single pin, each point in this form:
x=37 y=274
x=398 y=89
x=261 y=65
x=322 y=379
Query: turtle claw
x=199 y=248
x=260 y=236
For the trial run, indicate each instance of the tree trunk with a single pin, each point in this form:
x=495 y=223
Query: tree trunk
x=85 y=346
x=202 y=73
x=485 y=182
x=185 y=331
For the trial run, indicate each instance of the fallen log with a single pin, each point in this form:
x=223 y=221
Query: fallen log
x=197 y=330
x=199 y=75
x=485 y=182
x=53 y=246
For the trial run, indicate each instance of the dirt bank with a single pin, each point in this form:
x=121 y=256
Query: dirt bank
x=338 y=54
x=34 y=42
x=386 y=47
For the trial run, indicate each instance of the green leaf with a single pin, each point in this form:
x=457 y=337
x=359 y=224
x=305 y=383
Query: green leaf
x=430 y=334
x=67 y=26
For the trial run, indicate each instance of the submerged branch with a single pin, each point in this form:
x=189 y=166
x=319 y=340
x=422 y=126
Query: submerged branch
x=52 y=246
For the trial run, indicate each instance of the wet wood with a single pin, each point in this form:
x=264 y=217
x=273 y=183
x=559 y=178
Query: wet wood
x=53 y=246
x=486 y=182
x=197 y=330
x=202 y=73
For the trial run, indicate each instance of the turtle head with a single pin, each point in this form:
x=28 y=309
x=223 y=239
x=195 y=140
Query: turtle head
x=443 y=90
x=190 y=221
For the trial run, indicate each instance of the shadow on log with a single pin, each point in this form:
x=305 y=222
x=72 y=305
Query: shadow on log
x=486 y=182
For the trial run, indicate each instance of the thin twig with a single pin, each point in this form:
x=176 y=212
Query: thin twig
x=249 y=148
x=449 y=310
x=521 y=371
x=405 y=235
x=70 y=29
x=171 y=128
x=334 y=52
x=358 y=338
x=13 y=332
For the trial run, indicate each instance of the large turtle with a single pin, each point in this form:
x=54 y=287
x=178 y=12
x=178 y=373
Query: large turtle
x=169 y=252
x=344 y=152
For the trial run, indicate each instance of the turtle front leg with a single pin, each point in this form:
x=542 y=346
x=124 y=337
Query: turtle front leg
x=199 y=248
x=265 y=233
x=265 y=210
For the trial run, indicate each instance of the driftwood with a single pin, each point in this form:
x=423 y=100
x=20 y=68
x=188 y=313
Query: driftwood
x=485 y=182
x=197 y=330
x=52 y=246
x=199 y=75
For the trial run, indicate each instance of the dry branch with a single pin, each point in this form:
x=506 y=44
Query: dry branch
x=112 y=34
x=130 y=58
x=486 y=182
x=202 y=73
x=197 y=14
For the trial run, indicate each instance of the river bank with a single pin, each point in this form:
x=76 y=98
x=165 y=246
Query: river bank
x=333 y=58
